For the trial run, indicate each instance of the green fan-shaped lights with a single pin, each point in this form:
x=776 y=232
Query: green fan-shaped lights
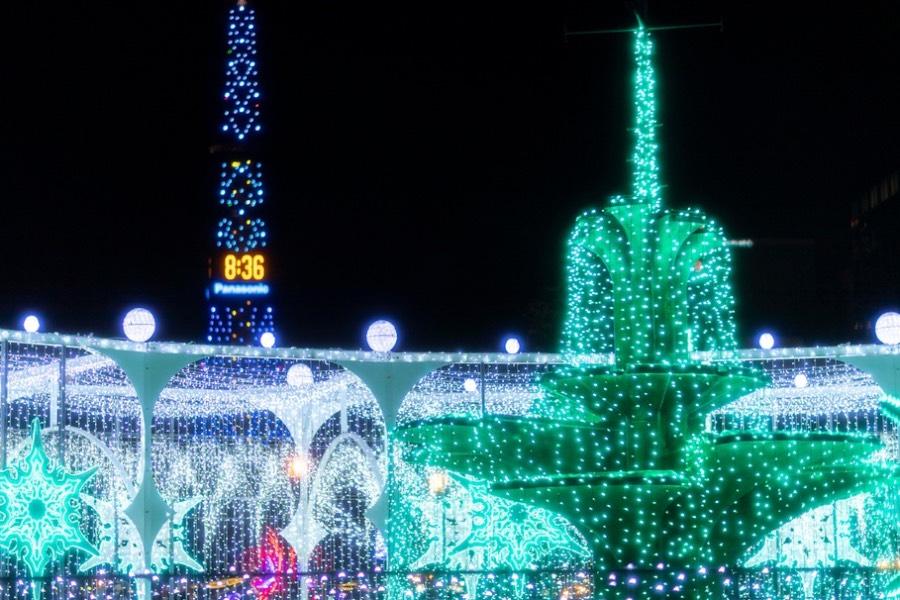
x=39 y=509
x=623 y=452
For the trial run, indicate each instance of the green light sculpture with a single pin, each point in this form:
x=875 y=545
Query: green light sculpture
x=623 y=452
x=39 y=509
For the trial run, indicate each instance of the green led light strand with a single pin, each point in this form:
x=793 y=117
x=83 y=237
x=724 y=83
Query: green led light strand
x=645 y=188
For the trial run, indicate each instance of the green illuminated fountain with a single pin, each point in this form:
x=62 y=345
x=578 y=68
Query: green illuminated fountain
x=623 y=452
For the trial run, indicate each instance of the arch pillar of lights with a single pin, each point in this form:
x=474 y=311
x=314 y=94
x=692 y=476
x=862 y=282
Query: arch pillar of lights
x=389 y=382
x=149 y=373
x=313 y=536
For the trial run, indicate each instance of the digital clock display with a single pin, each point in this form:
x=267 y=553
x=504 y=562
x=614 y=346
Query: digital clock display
x=244 y=267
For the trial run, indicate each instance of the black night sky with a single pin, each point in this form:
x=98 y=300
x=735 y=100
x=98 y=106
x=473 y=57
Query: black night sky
x=425 y=162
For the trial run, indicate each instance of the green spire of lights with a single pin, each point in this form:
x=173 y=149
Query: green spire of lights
x=645 y=188
x=650 y=284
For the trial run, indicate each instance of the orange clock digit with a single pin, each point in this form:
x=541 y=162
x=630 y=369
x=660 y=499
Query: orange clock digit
x=246 y=267
x=259 y=268
x=230 y=266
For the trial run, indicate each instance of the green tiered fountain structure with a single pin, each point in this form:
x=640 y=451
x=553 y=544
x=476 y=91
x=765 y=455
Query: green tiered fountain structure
x=624 y=452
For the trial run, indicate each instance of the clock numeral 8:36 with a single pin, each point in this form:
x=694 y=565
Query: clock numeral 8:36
x=246 y=266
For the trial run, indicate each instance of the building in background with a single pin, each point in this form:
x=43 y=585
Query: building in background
x=874 y=271
x=238 y=307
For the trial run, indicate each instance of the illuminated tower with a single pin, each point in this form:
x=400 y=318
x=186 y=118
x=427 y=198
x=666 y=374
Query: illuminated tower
x=239 y=310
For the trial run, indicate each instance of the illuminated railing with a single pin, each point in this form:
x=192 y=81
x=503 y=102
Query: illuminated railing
x=263 y=472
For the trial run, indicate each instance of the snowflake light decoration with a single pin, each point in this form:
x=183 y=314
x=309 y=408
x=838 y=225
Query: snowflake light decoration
x=39 y=504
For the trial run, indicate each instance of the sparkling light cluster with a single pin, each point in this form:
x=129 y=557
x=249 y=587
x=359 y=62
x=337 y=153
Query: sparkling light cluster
x=241 y=96
x=240 y=191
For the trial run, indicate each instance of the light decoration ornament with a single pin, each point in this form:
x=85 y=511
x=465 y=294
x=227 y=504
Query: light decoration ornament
x=31 y=324
x=241 y=194
x=267 y=339
x=277 y=562
x=887 y=328
x=381 y=336
x=512 y=345
x=39 y=509
x=630 y=454
x=139 y=325
x=239 y=269
x=300 y=375
x=766 y=341
x=242 y=96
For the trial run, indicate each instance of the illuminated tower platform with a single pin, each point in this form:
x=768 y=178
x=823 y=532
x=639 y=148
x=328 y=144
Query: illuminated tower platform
x=239 y=307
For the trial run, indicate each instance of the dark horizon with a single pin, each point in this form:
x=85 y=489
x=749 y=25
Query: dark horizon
x=426 y=167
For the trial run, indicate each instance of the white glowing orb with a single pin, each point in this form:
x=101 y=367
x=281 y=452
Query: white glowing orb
x=300 y=375
x=139 y=325
x=801 y=380
x=469 y=385
x=31 y=324
x=767 y=341
x=887 y=328
x=381 y=336
x=512 y=346
x=267 y=340
x=298 y=466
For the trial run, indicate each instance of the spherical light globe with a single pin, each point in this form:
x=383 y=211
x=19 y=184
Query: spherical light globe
x=512 y=345
x=267 y=340
x=470 y=385
x=139 y=325
x=767 y=341
x=381 y=336
x=300 y=375
x=887 y=328
x=31 y=324
x=801 y=380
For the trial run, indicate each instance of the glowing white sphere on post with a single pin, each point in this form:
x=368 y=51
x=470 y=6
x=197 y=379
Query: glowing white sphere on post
x=139 y=325
x=512 y=345
x=300 y=375
x=767 y=341
x=887 y=328
x=267 y=340
x=31 y=324
x=381 y=336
